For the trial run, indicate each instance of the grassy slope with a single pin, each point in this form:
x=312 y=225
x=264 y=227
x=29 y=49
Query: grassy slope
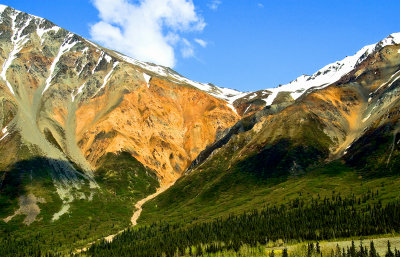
x=206 y=195
x=108 y=212
x=215 y=190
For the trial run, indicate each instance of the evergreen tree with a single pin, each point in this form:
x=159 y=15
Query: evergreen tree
x=372 y=250
x=272 y=254
x=285 y=253
x=199 y=250
x=353 y=249
x=389 y=252
x=396 y=253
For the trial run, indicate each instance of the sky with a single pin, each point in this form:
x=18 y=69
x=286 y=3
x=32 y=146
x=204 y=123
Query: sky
x=247 y=45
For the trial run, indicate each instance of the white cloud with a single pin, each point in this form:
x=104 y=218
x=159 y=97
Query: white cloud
x=187 y=49
x=214 y=4
x=201 y=42
x=147 y=29
x=260 y=5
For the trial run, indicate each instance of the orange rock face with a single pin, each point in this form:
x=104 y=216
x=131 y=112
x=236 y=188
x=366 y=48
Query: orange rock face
x=165 y=126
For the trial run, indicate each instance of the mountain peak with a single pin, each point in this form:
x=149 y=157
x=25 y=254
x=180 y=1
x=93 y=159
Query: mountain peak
x=228 y=95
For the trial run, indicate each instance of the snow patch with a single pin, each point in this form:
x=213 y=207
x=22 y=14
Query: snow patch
x=93 y=44
x=83 y=66
x=392 y=39
x=153 y=68
x=232 y=107
x=252 y=96
x=147 y=78
x=107 y=78
x=248 y=107
x=98 y=62
x=108 y=58
x=84 y=51
x=80 y=90
x=390 y=79
x=2 y=8
x=41 y=31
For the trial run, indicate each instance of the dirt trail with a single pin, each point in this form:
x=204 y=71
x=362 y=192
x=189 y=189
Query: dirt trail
x=134 y=218
x=139 y=204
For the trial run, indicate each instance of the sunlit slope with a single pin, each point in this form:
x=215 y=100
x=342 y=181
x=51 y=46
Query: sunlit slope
x=343 y=137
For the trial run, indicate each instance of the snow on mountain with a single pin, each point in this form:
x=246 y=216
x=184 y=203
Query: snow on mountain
x=2 y=7
x=322 y=78
x=227 y=94
x=331 y=72
x=326 y=76
x=147 y=78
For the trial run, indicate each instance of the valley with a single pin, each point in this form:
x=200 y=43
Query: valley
x=118 y=157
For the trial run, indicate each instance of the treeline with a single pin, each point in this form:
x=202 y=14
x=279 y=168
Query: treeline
x=299 y=220
x=317 y=219
x=15 y=247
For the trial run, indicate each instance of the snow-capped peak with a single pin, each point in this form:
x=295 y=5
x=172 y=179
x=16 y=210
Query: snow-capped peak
x=331 y=73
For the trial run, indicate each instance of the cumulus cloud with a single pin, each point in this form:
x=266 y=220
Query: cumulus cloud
x=214 y=4
x=201 y=42
x=148 y=30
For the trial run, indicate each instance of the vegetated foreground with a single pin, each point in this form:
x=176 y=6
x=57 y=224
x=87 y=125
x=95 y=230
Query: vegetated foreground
x=297 y=221
x=321 y=205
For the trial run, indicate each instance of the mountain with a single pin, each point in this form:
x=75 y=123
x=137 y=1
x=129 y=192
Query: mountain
x=85 y=131
x=334 y=131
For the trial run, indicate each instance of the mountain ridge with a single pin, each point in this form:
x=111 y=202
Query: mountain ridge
x=74 y=102
x=87 y=132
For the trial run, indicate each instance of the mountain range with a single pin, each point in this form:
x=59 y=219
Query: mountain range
x=86 y=132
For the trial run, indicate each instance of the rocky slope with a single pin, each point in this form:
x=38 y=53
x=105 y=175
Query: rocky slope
x=74 y=103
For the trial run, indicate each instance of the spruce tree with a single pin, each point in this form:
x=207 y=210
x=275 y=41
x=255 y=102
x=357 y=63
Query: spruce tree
x=285 y=253
x=389 y=252
x=372 y=250
x=353 y=250
x=272 y=254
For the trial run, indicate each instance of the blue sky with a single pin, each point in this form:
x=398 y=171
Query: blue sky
x=247 y=44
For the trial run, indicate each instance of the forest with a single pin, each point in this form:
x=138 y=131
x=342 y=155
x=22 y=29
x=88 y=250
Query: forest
x=298 y=221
